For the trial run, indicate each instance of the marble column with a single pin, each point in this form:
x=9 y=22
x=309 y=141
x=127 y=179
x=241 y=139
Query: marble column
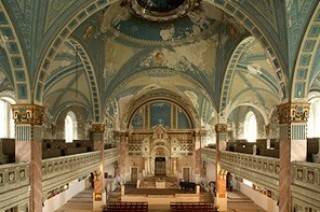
x=99 y=184
x=221 y=188
x=28 y=120
x=123 y=166
x=293 y=146
x=197 y=156
x=175 y=167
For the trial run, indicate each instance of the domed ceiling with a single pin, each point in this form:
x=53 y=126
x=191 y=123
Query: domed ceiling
x=180 y=54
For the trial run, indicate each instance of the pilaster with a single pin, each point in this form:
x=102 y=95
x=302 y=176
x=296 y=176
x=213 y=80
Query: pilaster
x=221 y=188
x=28 y=120
x=99 y=184
x=293 y=146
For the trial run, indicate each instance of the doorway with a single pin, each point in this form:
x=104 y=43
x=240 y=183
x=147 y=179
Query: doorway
x=186 y=174
x=134 y=175
x=160 y=166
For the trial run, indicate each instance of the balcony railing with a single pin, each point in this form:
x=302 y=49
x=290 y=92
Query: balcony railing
x=14 y=182
x=56 y=172
x=265 y=171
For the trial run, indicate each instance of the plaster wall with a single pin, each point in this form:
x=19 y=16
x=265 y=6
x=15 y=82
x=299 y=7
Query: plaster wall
x=58 y=201
x=260 y=199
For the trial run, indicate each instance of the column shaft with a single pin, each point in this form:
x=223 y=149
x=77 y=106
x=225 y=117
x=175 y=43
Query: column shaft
x=221 y=188
x=28 y=121
x=99 y=185
x=293 y=147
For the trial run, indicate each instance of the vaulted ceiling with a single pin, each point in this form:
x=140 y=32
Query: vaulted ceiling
x=100 y=55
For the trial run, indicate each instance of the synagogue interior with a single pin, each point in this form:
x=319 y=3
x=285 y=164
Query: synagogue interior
x=160 y=105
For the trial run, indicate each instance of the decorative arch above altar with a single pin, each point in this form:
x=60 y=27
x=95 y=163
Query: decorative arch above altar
x=160 y=113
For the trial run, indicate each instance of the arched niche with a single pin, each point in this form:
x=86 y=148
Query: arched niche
x=237 y=120
x=160 y=112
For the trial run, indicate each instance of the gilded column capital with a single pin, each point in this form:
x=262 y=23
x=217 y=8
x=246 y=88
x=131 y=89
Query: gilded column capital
x=30 y=114
x=98 y=128
x=221 y=128
x=293 y=112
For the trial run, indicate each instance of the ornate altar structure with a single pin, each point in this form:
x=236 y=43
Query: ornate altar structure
x=160 y=143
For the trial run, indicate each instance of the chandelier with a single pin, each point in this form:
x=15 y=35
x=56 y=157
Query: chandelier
x=162 y=10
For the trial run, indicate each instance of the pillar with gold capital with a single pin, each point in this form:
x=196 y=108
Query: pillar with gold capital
x=99 y=196
x=293 y=146
x=221 y=188
x=28 y=123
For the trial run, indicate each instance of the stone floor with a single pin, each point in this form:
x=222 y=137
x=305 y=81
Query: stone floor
x=237 y=202
x=80 y=203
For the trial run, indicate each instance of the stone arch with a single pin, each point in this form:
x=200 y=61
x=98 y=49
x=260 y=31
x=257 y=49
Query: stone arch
x=226 y=6
x=231 y=68
x=166 y=96
x=86 y=62
x=306 y=57
x=260 y=110
x=10 y=42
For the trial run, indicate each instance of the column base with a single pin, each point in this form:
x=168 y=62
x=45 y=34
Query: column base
x=98 y=203
x=221 y=203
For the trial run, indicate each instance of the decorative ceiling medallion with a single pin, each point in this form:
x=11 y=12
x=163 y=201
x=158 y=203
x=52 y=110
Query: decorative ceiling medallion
x=162 y=10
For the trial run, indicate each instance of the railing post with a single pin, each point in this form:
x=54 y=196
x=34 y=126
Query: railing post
x=221 y=189
x=28 y=120
x=293 y=146
x=99 y=196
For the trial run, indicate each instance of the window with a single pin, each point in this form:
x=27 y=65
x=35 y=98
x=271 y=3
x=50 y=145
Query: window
x=6 y=119
x=70 y=127
x=250 y=127
x=314 y=119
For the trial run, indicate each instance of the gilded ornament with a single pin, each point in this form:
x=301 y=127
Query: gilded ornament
x=28 y=114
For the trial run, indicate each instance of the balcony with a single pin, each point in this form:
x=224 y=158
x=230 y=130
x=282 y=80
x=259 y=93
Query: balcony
x=264 y=171
x=56 y=172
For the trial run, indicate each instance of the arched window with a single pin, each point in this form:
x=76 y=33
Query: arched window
x=250 y=127
x=70 y=127
x=314 y=119
x=6 y=119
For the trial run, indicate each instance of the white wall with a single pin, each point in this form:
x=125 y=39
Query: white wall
x=59 y=200
x=211 y=172
x=259 y=199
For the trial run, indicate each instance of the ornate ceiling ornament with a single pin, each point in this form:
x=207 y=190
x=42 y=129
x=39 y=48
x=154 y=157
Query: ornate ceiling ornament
x=162 y=10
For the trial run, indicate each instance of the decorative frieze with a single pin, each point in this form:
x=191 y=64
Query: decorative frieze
x=293 y=113
x=28 y=114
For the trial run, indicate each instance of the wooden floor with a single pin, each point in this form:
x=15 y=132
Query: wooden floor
x=237 y=202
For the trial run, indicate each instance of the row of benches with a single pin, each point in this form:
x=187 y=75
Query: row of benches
x=174 y=206
x=242 y=146
x=50 y=148
x=192 y=207
x=126 y=207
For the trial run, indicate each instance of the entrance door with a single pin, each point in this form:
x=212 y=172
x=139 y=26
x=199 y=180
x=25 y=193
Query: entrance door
x=186 y=177
x=160 y=166
x=134 y=175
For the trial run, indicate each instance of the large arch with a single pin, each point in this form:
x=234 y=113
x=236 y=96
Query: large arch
x=162 y=95
x=86 y=62
x=12 y=46
x=306 y=57
x=226 y=6
x=269 y=84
